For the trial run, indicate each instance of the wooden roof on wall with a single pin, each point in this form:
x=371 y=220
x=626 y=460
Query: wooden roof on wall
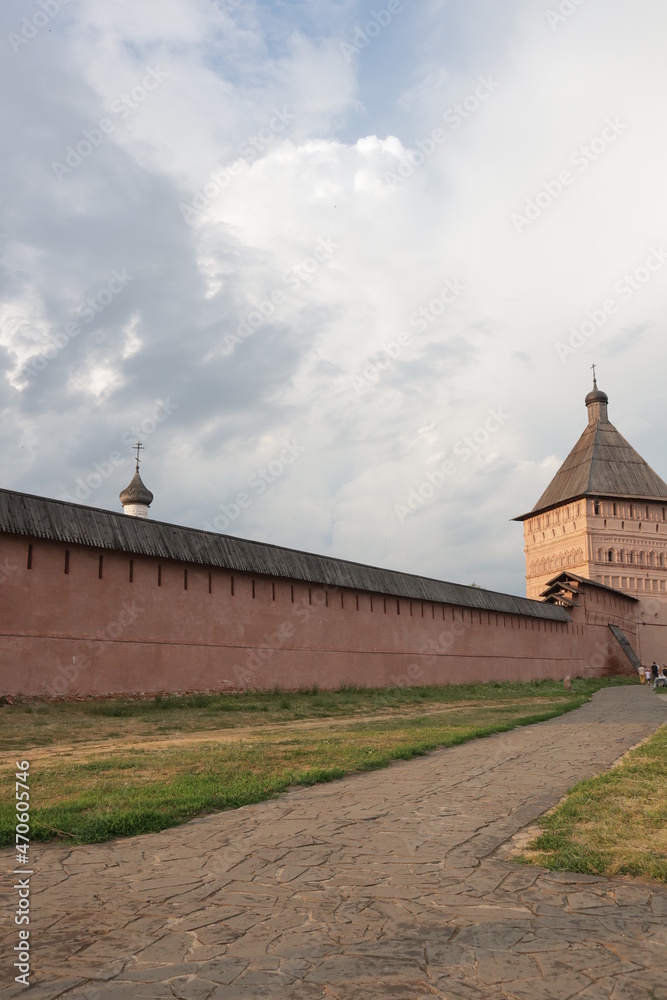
x=76 y=524
x=567 y=583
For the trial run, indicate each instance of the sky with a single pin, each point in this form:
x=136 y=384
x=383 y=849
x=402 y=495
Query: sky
x=342 y=267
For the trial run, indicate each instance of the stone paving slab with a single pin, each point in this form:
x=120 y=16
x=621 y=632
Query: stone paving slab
x=384 y=885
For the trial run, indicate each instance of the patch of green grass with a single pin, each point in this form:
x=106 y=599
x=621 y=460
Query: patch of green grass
x=613 y=824
x=132 y=791
x=79 y=721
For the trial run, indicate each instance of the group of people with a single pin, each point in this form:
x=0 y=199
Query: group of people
x=654 y=674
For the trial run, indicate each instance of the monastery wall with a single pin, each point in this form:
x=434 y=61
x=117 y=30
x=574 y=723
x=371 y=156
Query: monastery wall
x=75 y=621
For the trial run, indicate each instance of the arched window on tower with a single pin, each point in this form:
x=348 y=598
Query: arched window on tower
x=610 y=555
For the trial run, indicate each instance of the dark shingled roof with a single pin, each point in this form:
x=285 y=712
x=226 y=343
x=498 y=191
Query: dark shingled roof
x=57 y=520
x=602 y=463
x=565 y=577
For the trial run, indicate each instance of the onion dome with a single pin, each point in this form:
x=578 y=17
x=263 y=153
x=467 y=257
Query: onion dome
x=596 y=395
x=135 y=498
x=136 y=493
x=596 y=403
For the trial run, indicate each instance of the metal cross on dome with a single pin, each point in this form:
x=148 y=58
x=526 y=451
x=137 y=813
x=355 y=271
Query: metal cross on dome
x=594 y=378
x=140 y=447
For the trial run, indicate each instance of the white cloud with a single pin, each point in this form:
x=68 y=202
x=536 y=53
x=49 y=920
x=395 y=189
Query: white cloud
x=307 y=143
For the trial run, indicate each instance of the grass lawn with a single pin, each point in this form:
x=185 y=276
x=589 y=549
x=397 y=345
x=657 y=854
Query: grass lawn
x=101 y=769
x=614 y=824
x=32 y=723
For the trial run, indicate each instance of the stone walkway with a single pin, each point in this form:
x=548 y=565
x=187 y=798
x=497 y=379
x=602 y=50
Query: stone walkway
x=383 y=885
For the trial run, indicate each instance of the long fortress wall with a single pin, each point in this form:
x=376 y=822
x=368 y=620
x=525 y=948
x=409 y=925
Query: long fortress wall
x=75 y=620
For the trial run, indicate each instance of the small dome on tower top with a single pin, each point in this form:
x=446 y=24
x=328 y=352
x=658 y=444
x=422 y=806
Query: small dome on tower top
x=596 y=402
x=596 y=395
x=136 y=492
x=135 y=498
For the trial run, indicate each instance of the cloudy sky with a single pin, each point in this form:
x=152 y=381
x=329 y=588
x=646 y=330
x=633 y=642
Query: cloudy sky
x=342 y=266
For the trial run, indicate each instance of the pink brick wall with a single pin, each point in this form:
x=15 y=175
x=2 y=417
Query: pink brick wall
x=200 y=630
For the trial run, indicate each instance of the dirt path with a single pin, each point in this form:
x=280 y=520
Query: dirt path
x=84 y=750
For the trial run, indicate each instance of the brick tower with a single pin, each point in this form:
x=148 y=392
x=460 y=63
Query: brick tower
x=604 y=517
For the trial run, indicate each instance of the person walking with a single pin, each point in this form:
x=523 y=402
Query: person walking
x=647 y=675
x=654 y=672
